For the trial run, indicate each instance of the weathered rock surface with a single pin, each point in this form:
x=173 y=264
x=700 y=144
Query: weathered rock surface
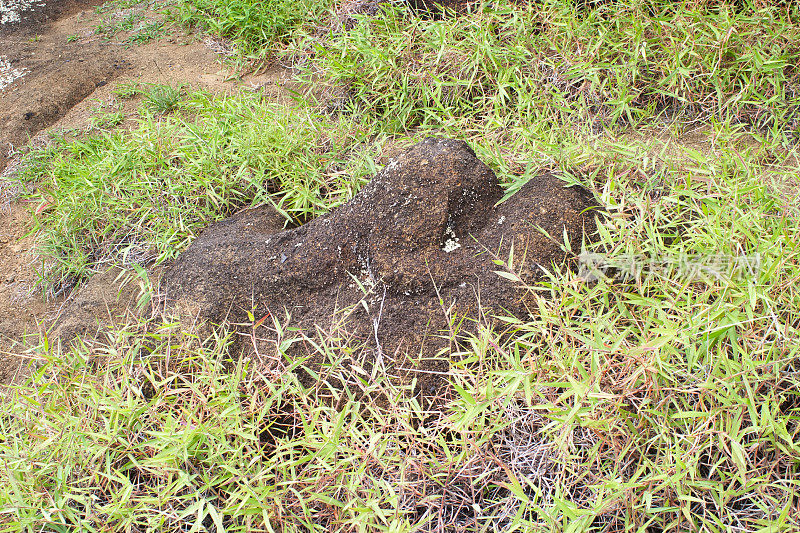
x=401 y=261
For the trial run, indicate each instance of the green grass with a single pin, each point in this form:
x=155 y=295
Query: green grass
x=622 y=64
x=105 y=120
x=119 y=21
x=162 y=98
x=147 y=32
x=657 y=399
x=127 y=89
x=255 y=27
x=147 y=192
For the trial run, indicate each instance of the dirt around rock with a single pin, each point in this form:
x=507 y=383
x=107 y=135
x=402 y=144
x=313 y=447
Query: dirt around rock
x=23 y=310
x=395 y=270
x=108 y=298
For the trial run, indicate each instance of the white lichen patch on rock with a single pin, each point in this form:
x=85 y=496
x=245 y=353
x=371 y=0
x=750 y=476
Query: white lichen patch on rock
x=8 y=73
x=450 y=244
x=10 y=10
x=367 y=277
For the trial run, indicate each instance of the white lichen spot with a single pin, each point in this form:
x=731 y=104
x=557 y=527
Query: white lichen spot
x=450 y=244
x=8 y=73
x=367 y=277
x=501 y=220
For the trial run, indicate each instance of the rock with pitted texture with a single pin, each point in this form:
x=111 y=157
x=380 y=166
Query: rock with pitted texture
x=394 y=271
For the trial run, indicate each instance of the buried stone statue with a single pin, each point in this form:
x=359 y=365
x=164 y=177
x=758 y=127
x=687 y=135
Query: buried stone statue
x=392 y=272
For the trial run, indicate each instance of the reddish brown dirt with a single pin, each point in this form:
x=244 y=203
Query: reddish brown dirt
x=56 y=73
x=69 y=73
x=22 y=309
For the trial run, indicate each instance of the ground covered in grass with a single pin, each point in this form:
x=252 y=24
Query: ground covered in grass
x=656 y=389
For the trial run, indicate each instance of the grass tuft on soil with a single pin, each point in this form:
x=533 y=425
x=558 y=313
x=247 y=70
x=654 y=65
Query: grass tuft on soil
x=254 y=27
x=141 y=196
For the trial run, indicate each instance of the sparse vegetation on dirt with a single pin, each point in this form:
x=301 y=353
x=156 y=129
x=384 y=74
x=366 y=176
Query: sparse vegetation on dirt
x=139 y=21
x=659 y=391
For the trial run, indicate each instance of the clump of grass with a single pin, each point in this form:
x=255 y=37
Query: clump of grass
x=146 y=32
x=127 y=89
x=131 y=17
x=119 y=21
x=161 y=98
x=105 y=120
x=253 y=26
x=174 y=174
x=619 y=64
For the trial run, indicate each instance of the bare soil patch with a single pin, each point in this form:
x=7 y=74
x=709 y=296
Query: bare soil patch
x=22 y=308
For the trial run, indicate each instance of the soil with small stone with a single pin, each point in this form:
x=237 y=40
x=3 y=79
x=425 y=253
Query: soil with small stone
x=398 y=271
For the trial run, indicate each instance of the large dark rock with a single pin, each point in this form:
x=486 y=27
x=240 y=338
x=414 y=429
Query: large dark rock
x=392 y=269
